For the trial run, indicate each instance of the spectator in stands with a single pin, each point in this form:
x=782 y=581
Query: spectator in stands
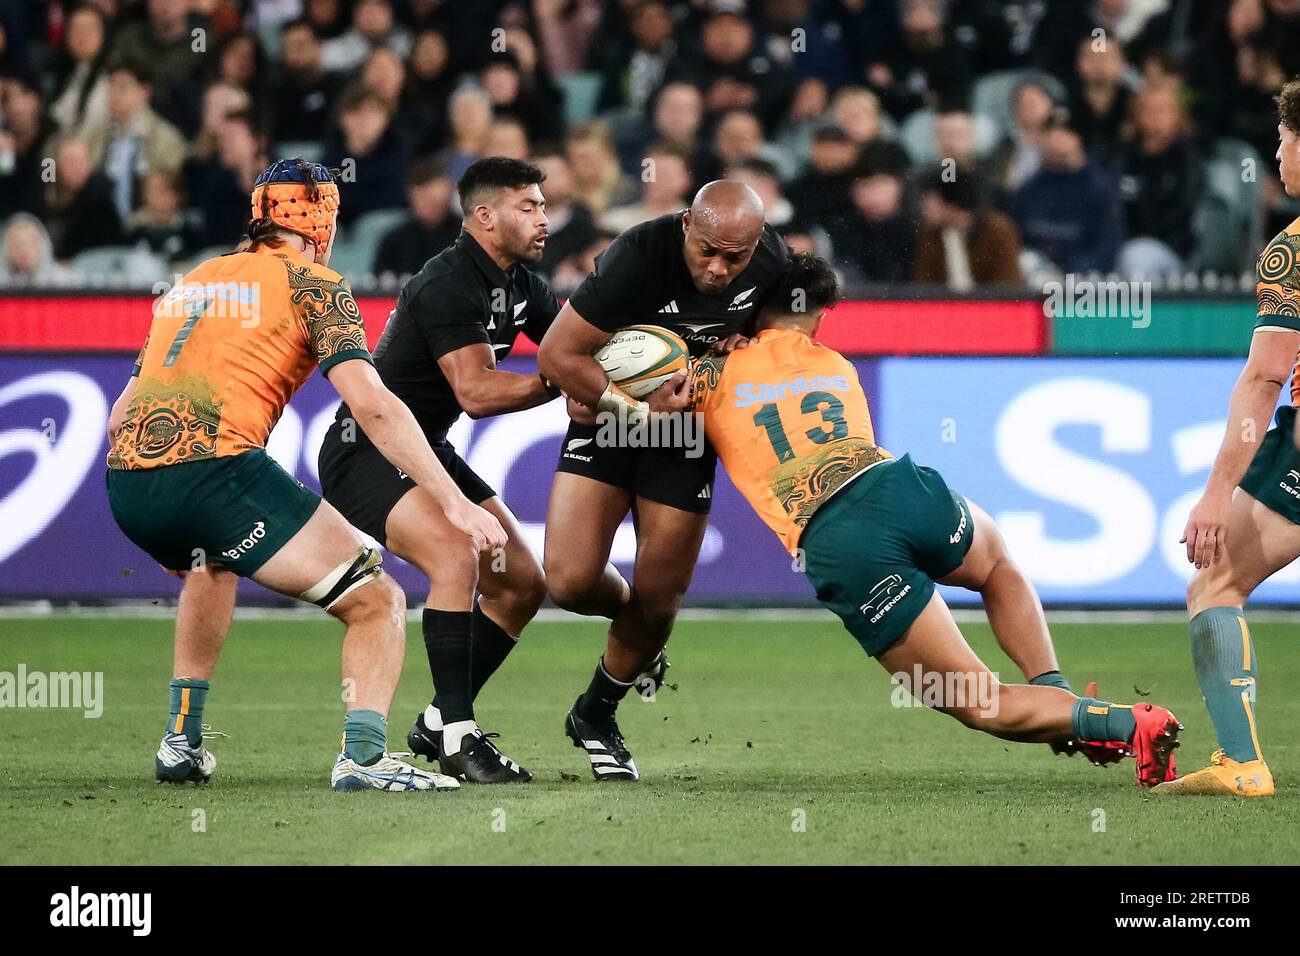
x=665 y=187
x=677 y=116
x=570 y=272
x=999 y=34
x=762 y=177
x=956 y=139
x=373 y=25
x=219 y=101
x=732 y=73
x=431 y=226
x=384 y=74
x=821 y=193
x=508 y=137
x=24 y=129
x=519 y=93
x=571 y=227
x=1022 y=155
x=165 y=40
x=963 y=242
x=162 y=225
x=470 y=115
x=600 y=182
x=633 y=67
x=81 y=97
x=738 y=137
x=820 y=55
x=305 y=93
x=1160 y=182
x=1251 y=112
x=874 y=241
x=28 y=258
x=218 y=183
x=329 y=18
x=924 y=68
x=811 y=102
x=371 y=146
x=429 y=86
x=135 y=140
x=857 y=111
x=1068 y=23
x=565 y=29
x=1099 y=98
x=1068 y=212
x=239 y=62
x=79 y=209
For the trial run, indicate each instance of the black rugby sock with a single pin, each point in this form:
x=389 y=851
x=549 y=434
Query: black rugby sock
x=492 y=645
x=448 y=642
x=602 y=696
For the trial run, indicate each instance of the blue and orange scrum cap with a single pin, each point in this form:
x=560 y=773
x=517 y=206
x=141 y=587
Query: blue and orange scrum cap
x=286 y=194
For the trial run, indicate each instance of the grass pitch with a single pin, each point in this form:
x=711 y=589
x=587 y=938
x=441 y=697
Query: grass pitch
x=775 y=724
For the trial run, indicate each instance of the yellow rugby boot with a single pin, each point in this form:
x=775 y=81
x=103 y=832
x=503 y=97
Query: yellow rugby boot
x=1224 y=777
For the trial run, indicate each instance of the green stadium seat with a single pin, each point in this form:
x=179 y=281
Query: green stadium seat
x=309 y=149
x=355 y=247
x=581 y=92
x=991 y=95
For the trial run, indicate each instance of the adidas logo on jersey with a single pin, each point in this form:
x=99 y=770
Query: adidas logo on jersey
x=670 y=308
x=706 y=492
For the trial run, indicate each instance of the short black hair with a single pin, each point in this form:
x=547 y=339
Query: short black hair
x=425 y=171
x=138 y=68
x=807 y=286
x=492 y=174
x=757 y=166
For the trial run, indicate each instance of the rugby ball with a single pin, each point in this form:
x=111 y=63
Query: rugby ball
x=640 y=358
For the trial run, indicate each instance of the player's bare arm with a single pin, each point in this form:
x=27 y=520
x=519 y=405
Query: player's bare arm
x=482 y=389
x=393 y=429
x=117 y=414
x=1272 y=354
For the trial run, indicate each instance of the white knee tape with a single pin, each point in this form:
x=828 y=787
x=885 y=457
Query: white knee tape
x=364 y=565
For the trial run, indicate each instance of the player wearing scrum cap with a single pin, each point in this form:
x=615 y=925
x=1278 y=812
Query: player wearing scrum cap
x=703 y=273
x=190 y=482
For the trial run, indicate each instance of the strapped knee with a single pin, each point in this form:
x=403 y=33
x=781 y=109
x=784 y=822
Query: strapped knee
x=365 y=565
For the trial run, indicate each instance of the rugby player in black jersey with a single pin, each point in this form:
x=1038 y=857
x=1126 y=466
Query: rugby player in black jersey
x=703 y=273
x=453 y=322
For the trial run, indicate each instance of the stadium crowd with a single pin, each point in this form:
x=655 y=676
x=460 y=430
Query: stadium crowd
x=960 y=143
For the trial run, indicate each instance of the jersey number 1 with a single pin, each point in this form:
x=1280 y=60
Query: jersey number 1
x=769 y=418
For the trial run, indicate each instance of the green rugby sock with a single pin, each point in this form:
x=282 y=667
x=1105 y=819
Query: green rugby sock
x=1052 y=679
x=1095 y=719
x=1226 y=667
x=185 y=714
x=365 y=734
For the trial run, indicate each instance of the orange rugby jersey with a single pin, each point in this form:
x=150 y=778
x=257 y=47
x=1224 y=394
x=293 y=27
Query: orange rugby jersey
x=790 y=422
x=1277 y=289
x=227 y=348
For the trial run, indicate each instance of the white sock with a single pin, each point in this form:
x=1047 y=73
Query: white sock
x=453 y=733
x=432 y=718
